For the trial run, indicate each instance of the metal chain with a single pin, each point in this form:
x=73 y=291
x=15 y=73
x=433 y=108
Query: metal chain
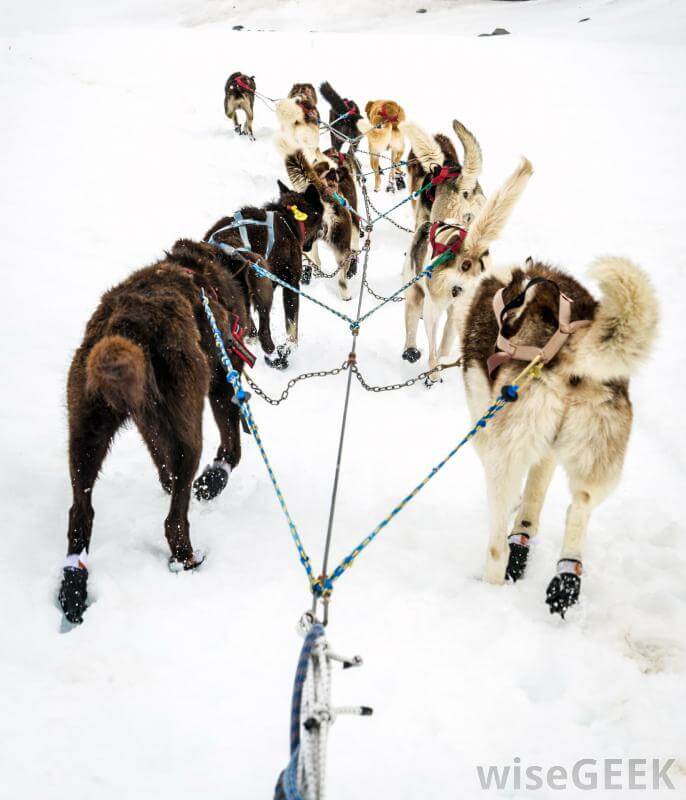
x=389 y=219
x=398 y=299
x=291 y=383
x=410 y=382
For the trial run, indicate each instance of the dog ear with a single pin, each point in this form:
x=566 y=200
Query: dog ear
x=473 y=159
x=311 y=194
x=425 y=148
x=491 y=220
x=283 y=189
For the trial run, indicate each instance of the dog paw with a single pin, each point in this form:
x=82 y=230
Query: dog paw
x=412 y=355
x=345 y=295
x=390 y=188
x=519 y=554
x=400 y=182
x=212 y=481
x=237 y=130
x=564 y=589
x=281 y=360
x=73 y=594
x=352 y=268
x=186 y=564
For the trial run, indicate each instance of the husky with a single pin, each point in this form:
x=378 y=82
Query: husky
x=452 y=284
x=299 y=120
x=239 y=95
x=337 y=229
x=344 y=115
x=347 y=171
x=148 y=355
x=278 y=232
x=382 y=129
x=577 y=413
x=434 y=160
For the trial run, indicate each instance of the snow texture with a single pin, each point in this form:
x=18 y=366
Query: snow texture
x=114 y=144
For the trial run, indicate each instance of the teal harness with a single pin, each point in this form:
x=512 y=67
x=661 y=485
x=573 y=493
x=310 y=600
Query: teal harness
x=241 y=223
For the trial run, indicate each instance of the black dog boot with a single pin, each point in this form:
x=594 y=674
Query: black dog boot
x=400 y=181
x=563 y=591
x=184 y=565
x=519 y=554
x=306 y=276
x=281 y=360
x=238 y=130
x=412 y=355
x=212 y=481
x=73 y=594
x=390 y=187
x=352 y=267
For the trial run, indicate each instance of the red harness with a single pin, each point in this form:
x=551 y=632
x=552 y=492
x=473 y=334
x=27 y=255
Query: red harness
x=351 y=108
x=236 y=331
x=241 y=82
x=341 y=158
x=437 y=248
x=384 y=114
x=446 y=173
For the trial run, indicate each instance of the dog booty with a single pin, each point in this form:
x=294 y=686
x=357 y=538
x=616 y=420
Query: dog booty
x=212 y=481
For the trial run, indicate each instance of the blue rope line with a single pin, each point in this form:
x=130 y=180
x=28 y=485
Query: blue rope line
x=323 y=587
x=263 y=273
x=233 y=378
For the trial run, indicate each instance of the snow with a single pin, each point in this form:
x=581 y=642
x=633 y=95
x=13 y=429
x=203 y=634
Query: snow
x=113 y=145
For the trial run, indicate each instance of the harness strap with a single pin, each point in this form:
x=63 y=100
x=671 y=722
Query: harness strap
x=351 y=107
x=454 y=243
x=240 y=81
x=385 y=115
x=518 y=352
x=241 y=223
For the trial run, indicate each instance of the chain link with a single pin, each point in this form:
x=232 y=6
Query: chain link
x=398 y=299
x=291 y=383
x=409 y=382
x=389 y=219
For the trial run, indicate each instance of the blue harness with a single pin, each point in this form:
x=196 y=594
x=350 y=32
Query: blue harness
x=241 y=223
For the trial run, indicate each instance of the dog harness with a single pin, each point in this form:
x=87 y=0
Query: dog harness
x=385 y=115
x=351 y=108
x=241 y=223
x=455 y=241
x=242 y=83
x=440 y=175
x=518 y=352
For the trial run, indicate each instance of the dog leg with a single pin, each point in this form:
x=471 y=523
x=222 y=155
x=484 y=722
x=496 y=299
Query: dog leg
x=414 y=300
x=236 y=123
x=248 y=123
x=431 y=318
x=374 y=161
x=396 y=155
x=342 y=259
x=291 y=306
x=91 y=432
x=528 y=515
x=450 y=332
x=563 y=590
x=214 y=478
x=503 y=483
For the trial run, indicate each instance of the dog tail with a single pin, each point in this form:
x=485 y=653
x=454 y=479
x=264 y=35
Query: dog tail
x=424 y=146
x=332 y=98
x=288 y=112
x=625 y=324
x=495 y=212
x=473 y=158
x=116 y=368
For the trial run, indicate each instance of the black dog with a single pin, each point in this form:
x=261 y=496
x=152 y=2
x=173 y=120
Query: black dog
x=343 y=116
x=278 y=232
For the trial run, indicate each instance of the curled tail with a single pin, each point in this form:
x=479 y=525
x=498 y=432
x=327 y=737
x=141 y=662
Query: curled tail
x=332 y=98
x=625 y=323
x=116 y=368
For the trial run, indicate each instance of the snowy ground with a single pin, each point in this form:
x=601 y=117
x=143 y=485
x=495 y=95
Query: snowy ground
x=114 y=144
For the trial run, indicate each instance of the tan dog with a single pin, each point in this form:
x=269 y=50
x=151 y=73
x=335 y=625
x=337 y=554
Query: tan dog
x=382 y=132
x=299 y=120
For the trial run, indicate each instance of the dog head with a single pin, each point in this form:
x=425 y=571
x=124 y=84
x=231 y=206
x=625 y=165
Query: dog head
x=472 y=259
x=304 y=92
x=306 y=208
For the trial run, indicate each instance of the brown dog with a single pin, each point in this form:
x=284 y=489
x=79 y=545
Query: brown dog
x=382 y=132
x=148 y=355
